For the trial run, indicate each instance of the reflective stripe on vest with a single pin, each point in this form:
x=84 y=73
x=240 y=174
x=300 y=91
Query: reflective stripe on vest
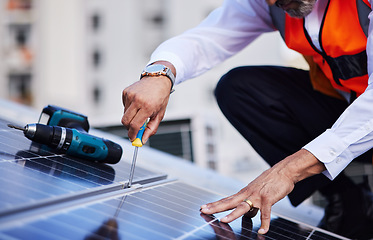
x=343 y=59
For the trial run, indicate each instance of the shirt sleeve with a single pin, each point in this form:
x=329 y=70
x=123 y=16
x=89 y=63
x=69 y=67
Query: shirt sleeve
x=352 y=134
x=226 y=31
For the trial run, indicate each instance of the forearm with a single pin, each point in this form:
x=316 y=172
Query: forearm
x=349 y=137
x=299 y=166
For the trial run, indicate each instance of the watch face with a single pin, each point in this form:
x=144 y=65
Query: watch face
x=155 y=68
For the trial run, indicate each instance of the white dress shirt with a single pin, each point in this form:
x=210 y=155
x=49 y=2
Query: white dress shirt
x=233 y=26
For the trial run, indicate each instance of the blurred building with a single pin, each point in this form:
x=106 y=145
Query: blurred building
x=80 y=54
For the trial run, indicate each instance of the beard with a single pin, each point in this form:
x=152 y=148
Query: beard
x=302 y=10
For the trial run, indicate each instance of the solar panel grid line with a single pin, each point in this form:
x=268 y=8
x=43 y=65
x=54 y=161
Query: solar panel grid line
x=158 y=213
x=192 y=195
x=10 y=146
x=60 y=199
x=118 y=171
x=27 y=142
x=31 y=231
x=286 y=234
x=309 y=237
x=154 y=221
x=285 y=229
x=220 y=232
x=70 y=174
x=160 y=206
x=174 y=219
x=60 y=227
x=52 y=154
x=15 y=197
x=314 y=229
x=16 y=137
x=196 y=191
x=205 y=223
x=57 y=224
x=194 y=208
x=182 y=213
x=140 y=226
x=123 y=234
x=131 y=224
x=64 y=156
x=21 y=199
x=61 y=179
x=71 y=196
x=26 y=201
x=191 y=233
x=66 y=235
x=30 y=212
x=37 y=180
x=223 y=233
x=179 y=199
x=250 y=233
x=45 y=183
x=30 y=159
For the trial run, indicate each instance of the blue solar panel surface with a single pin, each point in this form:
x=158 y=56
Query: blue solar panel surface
x=30 y=172
x=169 y=211
x=46 y=195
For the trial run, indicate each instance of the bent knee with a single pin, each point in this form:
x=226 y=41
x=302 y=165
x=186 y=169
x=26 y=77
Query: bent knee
x=228 y=82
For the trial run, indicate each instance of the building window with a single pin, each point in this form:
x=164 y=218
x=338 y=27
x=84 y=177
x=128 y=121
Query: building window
x=97 y=94
x=96 y=58
x=20 y=88
x=96 y=22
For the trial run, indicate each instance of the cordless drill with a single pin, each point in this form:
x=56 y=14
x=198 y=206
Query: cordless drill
x=67 y=132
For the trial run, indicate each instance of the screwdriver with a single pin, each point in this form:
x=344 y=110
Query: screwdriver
x=136 y=143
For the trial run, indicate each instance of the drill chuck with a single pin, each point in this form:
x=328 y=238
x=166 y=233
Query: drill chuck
x=74 y=142
x=54 y=137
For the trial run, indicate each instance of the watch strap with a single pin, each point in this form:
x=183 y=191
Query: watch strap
x=163 y=71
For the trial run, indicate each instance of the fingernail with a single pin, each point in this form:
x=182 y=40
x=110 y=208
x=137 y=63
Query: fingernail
x=205 y=210
x=261 y=231
x=203 y=206
x=224 y=219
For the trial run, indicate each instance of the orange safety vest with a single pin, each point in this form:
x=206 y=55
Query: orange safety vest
x=342 y=63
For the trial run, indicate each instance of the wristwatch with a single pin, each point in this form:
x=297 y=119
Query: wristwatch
x=159 y=70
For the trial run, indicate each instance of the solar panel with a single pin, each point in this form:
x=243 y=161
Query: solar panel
x=166 y=211
x=40 y=174
x=46 y=195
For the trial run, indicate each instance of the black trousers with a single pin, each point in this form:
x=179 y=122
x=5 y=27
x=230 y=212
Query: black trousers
x=278 y=112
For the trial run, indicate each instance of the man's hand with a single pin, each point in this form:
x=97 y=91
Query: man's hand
x=144 y=99
x=267 y=189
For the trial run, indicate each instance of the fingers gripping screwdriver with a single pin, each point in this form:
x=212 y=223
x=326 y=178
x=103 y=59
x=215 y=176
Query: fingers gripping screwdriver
x=73 y=142
x=136 y=143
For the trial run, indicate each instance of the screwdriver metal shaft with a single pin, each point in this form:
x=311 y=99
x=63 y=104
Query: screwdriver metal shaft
x=136 y=143
x=132 y=171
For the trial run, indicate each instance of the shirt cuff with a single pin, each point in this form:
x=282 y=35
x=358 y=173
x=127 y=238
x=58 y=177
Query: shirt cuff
x=172 y=58
x=331 y=150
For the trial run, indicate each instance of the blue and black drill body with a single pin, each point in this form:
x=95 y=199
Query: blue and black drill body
x=67 y=132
